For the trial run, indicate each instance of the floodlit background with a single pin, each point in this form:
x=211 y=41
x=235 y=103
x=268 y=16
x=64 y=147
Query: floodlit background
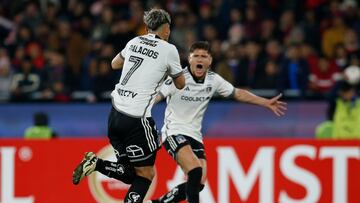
x=56 y=53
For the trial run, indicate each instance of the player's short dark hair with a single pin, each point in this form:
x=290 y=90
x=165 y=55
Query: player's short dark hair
x=204 y=45
x=154 y=18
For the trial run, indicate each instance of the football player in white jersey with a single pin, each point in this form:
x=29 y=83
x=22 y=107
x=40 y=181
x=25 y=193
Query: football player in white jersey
x=146 y=62
x=184 y=113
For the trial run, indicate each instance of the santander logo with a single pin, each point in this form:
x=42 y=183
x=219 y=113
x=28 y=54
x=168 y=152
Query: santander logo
x=108 y=190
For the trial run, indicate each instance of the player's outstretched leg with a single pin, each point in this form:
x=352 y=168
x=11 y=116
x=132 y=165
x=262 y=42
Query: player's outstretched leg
x=85 y=168
x=120 y=171
x=189 y=162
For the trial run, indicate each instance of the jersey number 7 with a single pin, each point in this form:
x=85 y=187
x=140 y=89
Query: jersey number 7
x=137 y=62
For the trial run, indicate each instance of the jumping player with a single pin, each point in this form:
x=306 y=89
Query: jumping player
x=146 y=62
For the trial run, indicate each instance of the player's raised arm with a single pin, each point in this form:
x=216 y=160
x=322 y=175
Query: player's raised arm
x=276 y=106
x=117 y=62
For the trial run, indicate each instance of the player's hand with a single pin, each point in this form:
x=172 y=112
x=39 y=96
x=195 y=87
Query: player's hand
x=276 y=106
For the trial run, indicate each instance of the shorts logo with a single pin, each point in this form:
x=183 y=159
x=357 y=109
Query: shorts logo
x=134 y=151
x=135 y=197
x=180 y=139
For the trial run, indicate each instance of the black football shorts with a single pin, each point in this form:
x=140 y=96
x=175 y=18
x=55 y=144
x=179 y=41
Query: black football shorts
x=173 y=143
x=135 y=140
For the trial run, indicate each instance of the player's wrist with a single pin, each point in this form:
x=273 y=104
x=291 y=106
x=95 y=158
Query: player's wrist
x=266 y=103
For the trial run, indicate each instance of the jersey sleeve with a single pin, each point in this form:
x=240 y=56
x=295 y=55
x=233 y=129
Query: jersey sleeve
x=122 y=53
x=224 y=88
x=167 y=88
x=173 y=60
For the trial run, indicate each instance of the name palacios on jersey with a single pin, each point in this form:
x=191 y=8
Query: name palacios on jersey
x=145 y=51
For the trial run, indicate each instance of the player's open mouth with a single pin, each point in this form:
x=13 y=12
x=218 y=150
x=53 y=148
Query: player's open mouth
x=200 y=66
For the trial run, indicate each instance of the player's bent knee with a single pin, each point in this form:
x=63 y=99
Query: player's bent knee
x=146 y=172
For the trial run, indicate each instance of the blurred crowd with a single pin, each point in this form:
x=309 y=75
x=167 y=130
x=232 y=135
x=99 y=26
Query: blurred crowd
x=55 y=50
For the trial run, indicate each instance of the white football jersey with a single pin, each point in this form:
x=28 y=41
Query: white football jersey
x=148 y=60
x=185 y=108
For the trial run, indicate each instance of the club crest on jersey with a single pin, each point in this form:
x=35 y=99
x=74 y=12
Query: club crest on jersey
x=208 y=89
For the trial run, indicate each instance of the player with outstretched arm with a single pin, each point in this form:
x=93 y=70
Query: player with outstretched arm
x=184 y=113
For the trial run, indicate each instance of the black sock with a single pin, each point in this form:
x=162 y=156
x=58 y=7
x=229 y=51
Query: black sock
x=177 y=194
x=193 y=185
x=122 y=172
x=137 y=190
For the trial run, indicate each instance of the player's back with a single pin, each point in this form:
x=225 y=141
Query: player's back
x=147 y=62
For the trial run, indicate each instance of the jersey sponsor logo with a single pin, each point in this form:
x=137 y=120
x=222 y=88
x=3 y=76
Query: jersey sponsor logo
x=127 y=93
x=144 y=51
x=134 y=151
x=194 y=99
